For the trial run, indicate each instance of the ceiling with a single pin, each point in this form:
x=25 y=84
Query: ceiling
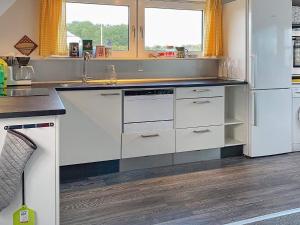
x=296 y=2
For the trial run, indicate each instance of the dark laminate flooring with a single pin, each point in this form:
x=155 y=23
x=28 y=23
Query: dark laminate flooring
x=214 y=192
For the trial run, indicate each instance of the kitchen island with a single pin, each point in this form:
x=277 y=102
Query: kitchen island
x=38 y=118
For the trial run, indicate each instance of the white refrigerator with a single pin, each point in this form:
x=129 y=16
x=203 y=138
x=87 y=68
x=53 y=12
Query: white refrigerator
x=269 y=61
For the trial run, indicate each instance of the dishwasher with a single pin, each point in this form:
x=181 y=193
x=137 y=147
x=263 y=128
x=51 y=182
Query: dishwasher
x=148 y=105
x=148 y=123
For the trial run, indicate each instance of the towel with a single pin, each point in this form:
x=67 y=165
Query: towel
x=16 y=152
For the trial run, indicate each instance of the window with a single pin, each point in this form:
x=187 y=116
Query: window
x=93 y=21
x=177 y=23
x=102 y=22
x=137 y=28
x=172 y=27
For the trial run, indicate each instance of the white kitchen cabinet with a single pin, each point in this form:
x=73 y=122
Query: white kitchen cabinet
x=148 y=143
x=199 y=92
x=199 y=112
x=236 y=115
x=199 y=118
x=200 y=138
x=91 y=129
x=149 y=138
x=41 y=172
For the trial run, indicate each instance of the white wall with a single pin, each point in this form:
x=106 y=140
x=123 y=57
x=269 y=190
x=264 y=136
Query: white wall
x=5 y=4
x=234 y=38
x=19 y=20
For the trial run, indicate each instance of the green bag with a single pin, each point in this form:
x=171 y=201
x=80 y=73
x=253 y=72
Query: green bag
x=24 y=215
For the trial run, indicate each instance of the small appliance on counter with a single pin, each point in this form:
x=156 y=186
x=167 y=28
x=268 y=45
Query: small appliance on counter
x=19 y=72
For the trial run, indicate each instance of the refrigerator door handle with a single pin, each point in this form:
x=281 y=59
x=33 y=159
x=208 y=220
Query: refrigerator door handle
x=254 y=70
x=254 y=108
x=299 y=114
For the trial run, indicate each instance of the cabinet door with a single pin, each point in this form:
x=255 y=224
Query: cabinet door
x=41 y=173
x=200 y=138
x=270 y=43
x=271 y=122
x=199 y=112
x=91 y=129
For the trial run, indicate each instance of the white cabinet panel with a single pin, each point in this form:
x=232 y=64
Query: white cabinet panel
x=199 y=138
x=91 y=129
x=270 y=43
x=197 y=92
x=148 y=143
x=148 y=126
x=271 y=122
x=145 y=139
x=41 y=172
x=148 y=108
x=199 y=112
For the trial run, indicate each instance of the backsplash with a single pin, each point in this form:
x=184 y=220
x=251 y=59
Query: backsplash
x=71 y=69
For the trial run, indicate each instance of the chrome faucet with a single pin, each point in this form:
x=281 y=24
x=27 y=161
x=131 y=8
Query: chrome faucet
x=86 y=57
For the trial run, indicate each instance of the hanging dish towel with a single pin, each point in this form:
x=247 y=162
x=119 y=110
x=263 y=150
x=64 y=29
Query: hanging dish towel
x=16 y=152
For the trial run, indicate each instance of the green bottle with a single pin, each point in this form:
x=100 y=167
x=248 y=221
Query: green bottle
x=2 y=76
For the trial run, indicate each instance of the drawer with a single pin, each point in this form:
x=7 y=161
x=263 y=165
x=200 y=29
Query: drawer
x=199 y=92
x=199 y=138
x=146 y=139
x=141 y=108
x=148 y=126
x=199 y=112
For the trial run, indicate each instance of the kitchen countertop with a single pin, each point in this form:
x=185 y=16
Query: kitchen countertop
x=151 y=84
x=13 y=107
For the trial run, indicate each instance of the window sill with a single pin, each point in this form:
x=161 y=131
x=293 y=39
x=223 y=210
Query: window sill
x=133 y=59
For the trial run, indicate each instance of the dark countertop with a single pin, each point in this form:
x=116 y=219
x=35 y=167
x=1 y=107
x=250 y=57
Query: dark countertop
x=13 y=107
x=156 y=84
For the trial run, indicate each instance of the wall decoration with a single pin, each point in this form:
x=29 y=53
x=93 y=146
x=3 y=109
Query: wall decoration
x=74 y=49
x=100 y=51
x=26 y=46
x=87 y=46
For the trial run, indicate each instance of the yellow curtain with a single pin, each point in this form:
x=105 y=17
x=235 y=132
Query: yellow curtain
x=213 y=41
x=53 y=31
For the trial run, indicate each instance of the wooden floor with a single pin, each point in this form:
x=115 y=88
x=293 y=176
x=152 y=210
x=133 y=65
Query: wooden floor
x=214 y=192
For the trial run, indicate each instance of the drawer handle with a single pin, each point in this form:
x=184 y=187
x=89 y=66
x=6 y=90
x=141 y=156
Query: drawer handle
x=201 y=102
x=201 y=131
x=149 y=135
x=110 y=94
x=201 y=90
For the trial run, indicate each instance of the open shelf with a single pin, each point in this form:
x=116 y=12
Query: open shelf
x=236 y=118
x=232 y=121
x=233 y=142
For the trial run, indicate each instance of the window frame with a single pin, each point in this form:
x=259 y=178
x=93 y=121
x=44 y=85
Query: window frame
x=136 y=21
x=165 y=4
x=132 y=18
